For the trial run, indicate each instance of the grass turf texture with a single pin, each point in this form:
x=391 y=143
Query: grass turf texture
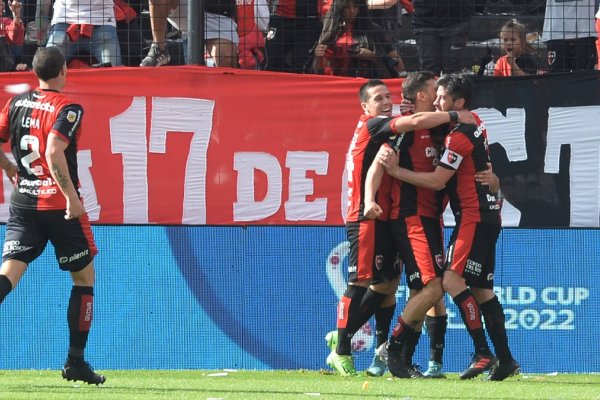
x=249 y=385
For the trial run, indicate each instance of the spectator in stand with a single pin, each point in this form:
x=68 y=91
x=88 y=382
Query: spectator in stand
x=220 y=34
x=351 y=44
x=252 y=26
x=570 y=35
x=388 y=15
x=441 y=30
x=129 y=32
x=295 y=28
x=12 y=34
x=518 y=59
x=88 y=26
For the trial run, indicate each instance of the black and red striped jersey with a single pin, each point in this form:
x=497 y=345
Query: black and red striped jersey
x=368 y=137
x=26 y=121
x=417 y=153
x=466 y=151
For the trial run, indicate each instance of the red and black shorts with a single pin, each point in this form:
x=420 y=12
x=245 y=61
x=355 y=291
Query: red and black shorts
x=373 y=257
x=28 y=232
x=472 y=253
x=420 y=243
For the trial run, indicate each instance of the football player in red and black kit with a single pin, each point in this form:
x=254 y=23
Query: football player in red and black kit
x=372 y=273
x=43 y=127
x=470 y=260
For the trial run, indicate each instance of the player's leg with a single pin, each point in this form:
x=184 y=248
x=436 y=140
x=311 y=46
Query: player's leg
x=491 y=308
x=436 y=322
x=462 y=268
x=75 y=250
x=10 y=274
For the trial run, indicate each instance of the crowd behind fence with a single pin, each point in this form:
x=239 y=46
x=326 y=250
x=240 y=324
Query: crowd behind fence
x=364 y=38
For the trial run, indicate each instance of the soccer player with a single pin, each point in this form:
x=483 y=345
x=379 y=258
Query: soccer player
x=43 y=127
x=470 y=260
x=416 y=227
x=371 y=270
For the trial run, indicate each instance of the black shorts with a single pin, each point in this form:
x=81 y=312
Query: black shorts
x=419 y=241
x=472 y=253
x=28 y=232
x=373 y=257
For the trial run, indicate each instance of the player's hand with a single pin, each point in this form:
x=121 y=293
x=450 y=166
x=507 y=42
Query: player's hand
x=11 y=172
x=372 y=210
x=488 y=178
x=406 y=107
x=74 y=209
x=387 y=157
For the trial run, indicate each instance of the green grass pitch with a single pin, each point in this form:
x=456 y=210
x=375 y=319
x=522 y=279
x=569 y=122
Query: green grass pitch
x=280 y=385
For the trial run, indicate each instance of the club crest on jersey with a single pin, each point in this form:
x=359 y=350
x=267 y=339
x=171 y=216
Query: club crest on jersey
x=551 y=57
x=378 y=261
x=71 y=116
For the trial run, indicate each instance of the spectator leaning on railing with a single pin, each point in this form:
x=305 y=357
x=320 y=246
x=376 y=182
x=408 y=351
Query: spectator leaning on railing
x=12 y=33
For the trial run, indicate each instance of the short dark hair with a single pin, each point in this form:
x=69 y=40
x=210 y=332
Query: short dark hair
x=371 y=83
x=48 y=62
x=414 y=83
x=458 y=86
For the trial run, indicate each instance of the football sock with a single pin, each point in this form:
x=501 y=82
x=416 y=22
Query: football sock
x=436 y=330
x=494 y=322
x=347 y=314
x=79 y=317
x=400 y=334
x=409 y=346
x=5 y=287
x=368 y=306
x=383 y=320
x=471 y=316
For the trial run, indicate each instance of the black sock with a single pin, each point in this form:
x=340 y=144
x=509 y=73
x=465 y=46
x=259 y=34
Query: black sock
x=436 y=330
x=368 y=306
x=383 y=320
x=79 y=316
x=5 y=287
x=471 y=316
x=402 y=331
x=409 y=346
x=347 y=314
x=494 y=322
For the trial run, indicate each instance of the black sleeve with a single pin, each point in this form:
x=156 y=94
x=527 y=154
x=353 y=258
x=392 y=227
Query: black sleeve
x=381 y=132
x=68 y=121
x=528 y=64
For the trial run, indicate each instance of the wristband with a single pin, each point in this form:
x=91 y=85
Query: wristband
x=453 y=116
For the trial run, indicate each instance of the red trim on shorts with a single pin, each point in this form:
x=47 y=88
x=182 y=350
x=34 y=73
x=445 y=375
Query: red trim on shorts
x=462 y=246
x=366 y=250
x=420 y=248
x=87 y=232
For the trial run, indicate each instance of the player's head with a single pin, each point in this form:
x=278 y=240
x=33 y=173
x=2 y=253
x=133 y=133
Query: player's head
x=453 y=92
x=49 y=63
x=375 y=98
x=419 y=88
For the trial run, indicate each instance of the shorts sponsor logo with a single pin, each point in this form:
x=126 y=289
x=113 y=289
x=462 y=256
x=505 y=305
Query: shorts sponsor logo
x=474 y=268
x=413 y=276
x=12 y=246
x=490 y=277
x=74 y=257
x=352 y=268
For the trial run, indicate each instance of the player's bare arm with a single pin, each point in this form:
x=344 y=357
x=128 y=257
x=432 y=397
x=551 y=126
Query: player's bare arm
x=435 y=180
x=372 y=182
x=431 y=119
x=488 y=178
x=57 y=163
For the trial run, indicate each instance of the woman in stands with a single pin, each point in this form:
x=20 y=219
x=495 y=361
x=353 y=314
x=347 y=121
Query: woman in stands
x=351 y=44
